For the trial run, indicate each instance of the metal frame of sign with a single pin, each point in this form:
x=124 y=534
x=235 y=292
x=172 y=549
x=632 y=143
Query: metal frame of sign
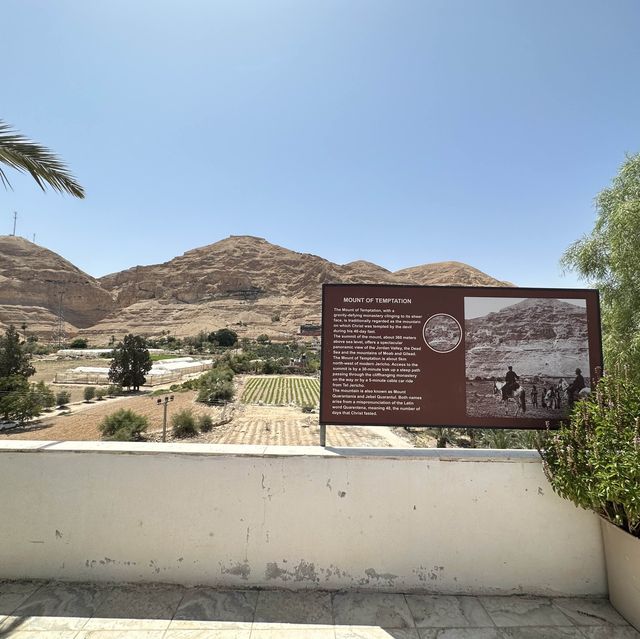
x=442 y=302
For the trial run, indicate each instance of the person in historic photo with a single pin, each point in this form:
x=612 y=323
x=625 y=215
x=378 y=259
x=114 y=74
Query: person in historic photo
x=511 y=383
x=576 y=386
x=534 y=396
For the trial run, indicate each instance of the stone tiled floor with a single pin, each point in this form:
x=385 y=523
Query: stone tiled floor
x=92 y=611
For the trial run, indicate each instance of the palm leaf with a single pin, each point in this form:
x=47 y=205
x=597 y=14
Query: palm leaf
x=43 y=165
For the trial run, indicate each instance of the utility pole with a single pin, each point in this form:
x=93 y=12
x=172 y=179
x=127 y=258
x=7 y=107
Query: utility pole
x=165 y=403
x=60 y=319
x=15 y=218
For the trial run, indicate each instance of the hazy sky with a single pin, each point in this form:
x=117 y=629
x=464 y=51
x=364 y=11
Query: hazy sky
x=400 y=132
x=479 y=306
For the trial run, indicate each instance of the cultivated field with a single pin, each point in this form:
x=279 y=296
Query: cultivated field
x=281 y=391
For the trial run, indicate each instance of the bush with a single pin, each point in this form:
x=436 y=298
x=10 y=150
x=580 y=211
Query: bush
x=123 y=425
x=63 y=398
x=47 y=396
x=216 y=385
x=184 y=424
x=307 y=408
x=263 y=339
x=113 y=390
x=594 y=459
x=205 y=423
x=79 y=342
x=100 y=393
x=89 y=393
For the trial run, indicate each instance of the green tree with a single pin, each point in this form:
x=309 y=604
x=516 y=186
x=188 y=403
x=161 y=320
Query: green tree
x=14 y=358
x=22 y=154
x=225 y=337
x=79 y=342
x=89 y=393
x=123 y=425
x=131 y=360
x=608 y=258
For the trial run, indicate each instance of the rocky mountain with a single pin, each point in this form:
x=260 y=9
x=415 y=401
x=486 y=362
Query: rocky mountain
x=450 y=272
x=538 y=336
x=243 y=282
x=32 y=282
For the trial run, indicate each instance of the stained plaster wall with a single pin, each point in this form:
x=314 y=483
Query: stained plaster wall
x=298 y=518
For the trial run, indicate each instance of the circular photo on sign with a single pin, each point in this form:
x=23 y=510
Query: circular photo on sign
x=442 y=333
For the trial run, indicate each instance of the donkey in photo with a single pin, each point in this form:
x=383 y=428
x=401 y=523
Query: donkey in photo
x=517 y=396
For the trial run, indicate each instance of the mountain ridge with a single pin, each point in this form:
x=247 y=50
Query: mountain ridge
x=242 y=281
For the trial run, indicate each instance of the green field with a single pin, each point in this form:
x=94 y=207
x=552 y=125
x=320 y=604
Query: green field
x=281 y=391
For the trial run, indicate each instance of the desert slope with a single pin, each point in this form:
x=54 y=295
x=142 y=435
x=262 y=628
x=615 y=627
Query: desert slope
x=32 y=278
x=243 y=282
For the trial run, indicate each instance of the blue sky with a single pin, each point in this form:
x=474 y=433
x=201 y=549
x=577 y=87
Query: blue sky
x=398 y=132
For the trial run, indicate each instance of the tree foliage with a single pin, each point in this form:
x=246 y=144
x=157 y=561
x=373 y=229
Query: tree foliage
x=131 y=361
x=26 y=156
x=19 y=400
x=225 y=337
x=594 y=459
x=14 y=358
x=608 y=258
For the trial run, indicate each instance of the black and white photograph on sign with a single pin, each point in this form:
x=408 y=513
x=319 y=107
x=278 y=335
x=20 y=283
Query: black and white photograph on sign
x=442 y=333
x=525 y=357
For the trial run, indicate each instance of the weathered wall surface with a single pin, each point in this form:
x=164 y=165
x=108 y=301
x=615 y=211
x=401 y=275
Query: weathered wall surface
x=439 y=521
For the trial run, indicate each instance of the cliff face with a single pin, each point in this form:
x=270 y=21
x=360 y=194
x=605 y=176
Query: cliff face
x=32 y=279
x=244 y=282
x=545 y=337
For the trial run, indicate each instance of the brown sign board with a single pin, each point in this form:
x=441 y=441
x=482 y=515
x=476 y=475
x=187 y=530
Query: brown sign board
x=440 y=355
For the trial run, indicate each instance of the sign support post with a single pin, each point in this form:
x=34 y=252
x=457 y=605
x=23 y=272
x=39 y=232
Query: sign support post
x=323 y=435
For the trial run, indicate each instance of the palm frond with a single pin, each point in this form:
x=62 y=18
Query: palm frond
x=42 y=164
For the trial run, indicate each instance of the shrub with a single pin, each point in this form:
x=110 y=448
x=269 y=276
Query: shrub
x=262 y=339
x=123 y=425
x=216 y=385
x=100 y=393
x=79 y=342
x=47 y=396
x=113 y=390
x=307 y=408
x=594 y=459
x=184 y=424
x=205 y=423
x=89 y=393
x=63 y=398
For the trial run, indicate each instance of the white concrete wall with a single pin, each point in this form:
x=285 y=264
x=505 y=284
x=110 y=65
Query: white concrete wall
x=430 y=520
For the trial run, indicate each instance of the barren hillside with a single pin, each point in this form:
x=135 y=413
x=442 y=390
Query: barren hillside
x=243 y=282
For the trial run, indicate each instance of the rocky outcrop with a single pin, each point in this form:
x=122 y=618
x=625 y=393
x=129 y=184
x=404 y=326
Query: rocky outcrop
x=543 y=337
x=451 y=273
x=32 y=281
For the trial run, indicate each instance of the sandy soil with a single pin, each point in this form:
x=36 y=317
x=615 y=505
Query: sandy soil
x=256 y=425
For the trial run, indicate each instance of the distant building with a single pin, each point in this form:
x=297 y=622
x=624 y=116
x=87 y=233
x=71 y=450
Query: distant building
x=310 y=330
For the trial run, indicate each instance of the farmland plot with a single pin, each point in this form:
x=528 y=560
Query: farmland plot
x=282 y=391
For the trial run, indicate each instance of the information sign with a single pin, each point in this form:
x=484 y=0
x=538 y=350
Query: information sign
x=484 y=357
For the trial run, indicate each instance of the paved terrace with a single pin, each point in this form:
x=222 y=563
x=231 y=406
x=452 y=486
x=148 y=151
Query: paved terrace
x=51 y=610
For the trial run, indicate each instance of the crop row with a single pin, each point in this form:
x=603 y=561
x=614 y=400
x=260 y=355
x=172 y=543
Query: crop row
x=281 y=391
